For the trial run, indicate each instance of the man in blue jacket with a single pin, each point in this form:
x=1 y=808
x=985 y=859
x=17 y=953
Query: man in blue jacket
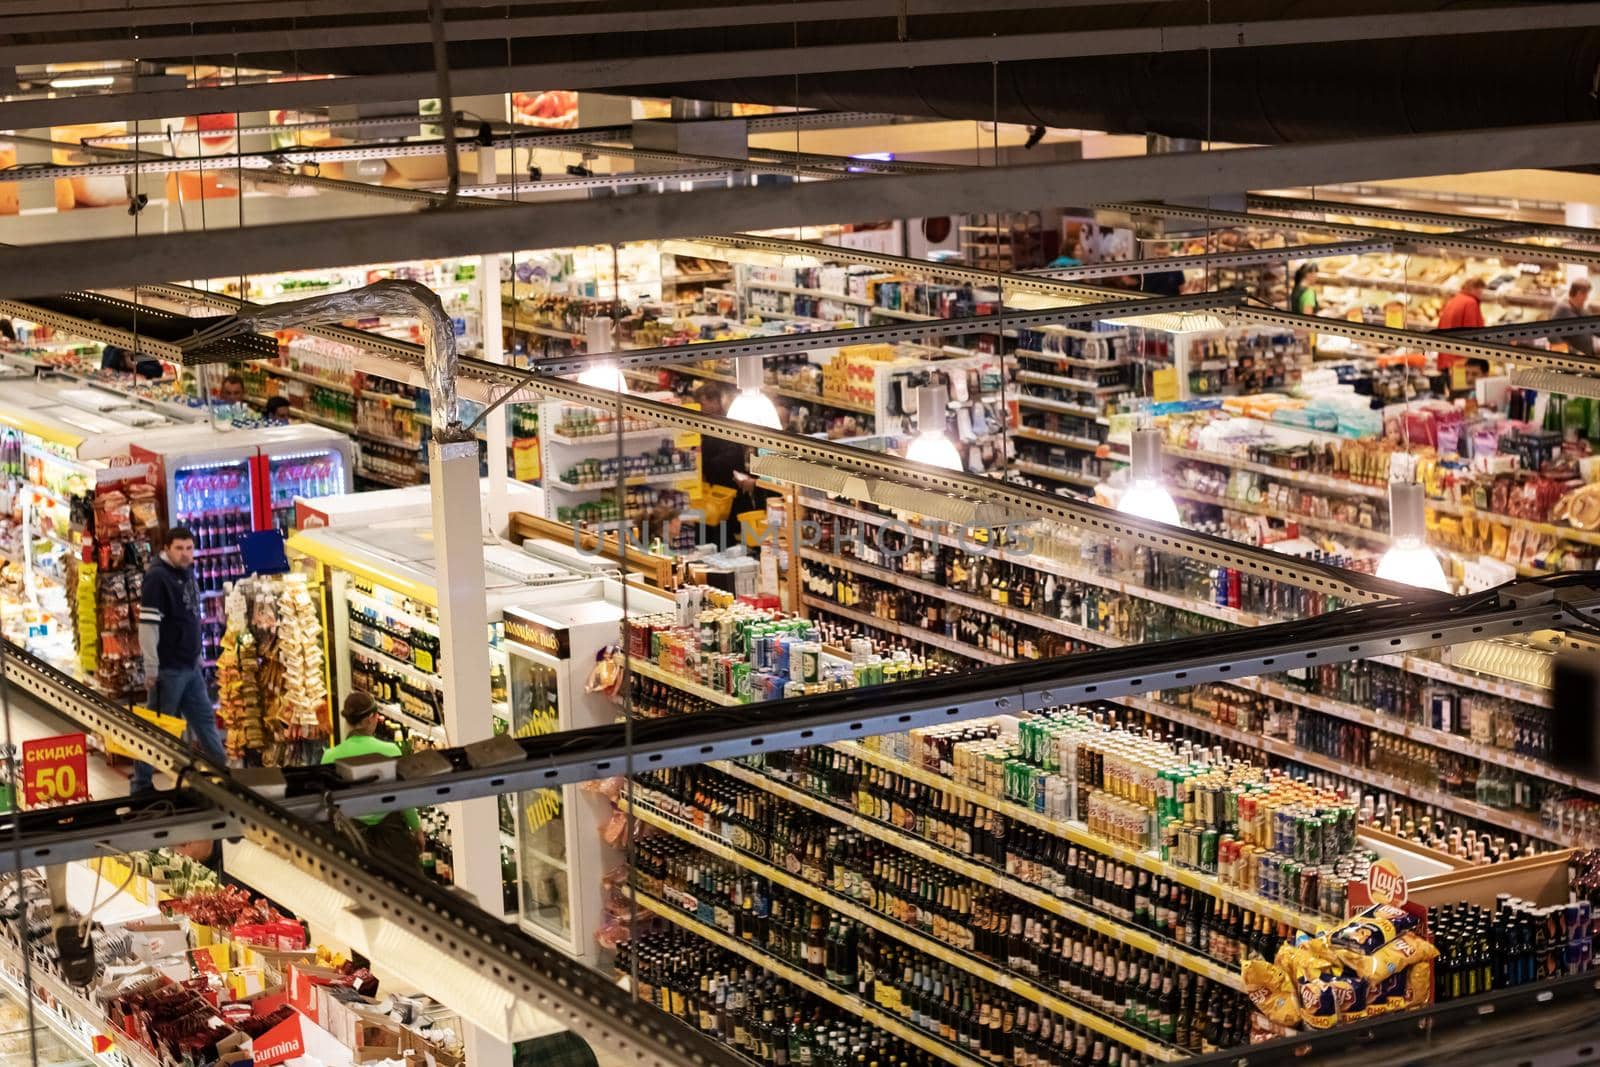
x=169 y=639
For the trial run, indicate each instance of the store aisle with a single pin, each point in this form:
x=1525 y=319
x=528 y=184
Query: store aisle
x=31 y=719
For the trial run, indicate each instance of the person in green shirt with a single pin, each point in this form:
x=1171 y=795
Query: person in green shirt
x=1303 y=298
x=394 y=835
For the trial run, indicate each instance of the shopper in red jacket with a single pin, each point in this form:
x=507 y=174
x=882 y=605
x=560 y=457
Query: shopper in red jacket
x=1462 y=312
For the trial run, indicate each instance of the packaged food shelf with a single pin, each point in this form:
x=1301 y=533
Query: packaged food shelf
x=1426 y=735
x=1083 y=916
x=70 y=1007
x=1049 y=565
x=1306 y=478
x=912 y=633
x=647 y=669
x=971 y=964
x=1331 y=525
x=1060 y=474
x=1079 y=834
x=1030 y=433
x=820 y=294
x=811 y=984
x=970 y=600
x=663 y=478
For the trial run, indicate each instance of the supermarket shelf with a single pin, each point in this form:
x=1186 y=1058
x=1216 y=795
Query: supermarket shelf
x=590 y=440
x=1062 y=357
x=356 y=596
x=1538 y=696
x=127 y=1051
x=790 y=316
x=1306 y=478
x=1059 y=474
x=770 y=389
x=399 y=715
x=820 y=294
x=383 y=479
x=512 y=323
x=388 y=399
x=1048 y=565
x=1129 y=935
x=1079 y=834
x=956 y=596
x=1331 y=525
x=418 y=674
x=1062 y=382
x=309 y=379
x=393 y=442
x=1400 y=285
x=971 y=964
x=332 y=424
x=1424 y=734
x=1366 y=777
x=1566 y=533
x=648 y=669
x=810 y=983
x=1030 y=433
x=908 y=316
x=911 y=633
x=638 y=479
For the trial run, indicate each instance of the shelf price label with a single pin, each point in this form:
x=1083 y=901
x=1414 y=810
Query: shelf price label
x=55 y=770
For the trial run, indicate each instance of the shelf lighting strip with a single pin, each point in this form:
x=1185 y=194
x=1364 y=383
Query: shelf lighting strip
x=1255 y=257
x=1484 y=226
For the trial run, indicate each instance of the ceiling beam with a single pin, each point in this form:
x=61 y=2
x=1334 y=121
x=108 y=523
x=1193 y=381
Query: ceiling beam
x=389 y=32
x=432 y=234
x=819 y=59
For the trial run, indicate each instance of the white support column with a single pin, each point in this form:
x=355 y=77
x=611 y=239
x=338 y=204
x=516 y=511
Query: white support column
x=1579 y=215
x=495 y=424
x=464 y=670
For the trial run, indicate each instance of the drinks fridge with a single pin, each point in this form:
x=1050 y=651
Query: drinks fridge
x=553 y=642
x=225 y=485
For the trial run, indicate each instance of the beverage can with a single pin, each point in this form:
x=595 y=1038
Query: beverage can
x=1288 y=882
x=1208 y=850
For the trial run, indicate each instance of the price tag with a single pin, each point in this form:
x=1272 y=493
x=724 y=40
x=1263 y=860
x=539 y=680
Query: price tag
x=1164 y=385
x=55 y=770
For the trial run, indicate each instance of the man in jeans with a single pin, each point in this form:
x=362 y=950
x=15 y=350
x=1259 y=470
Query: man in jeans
x=169 y=638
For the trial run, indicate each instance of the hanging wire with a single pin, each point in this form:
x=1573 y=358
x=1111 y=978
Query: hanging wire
x=1000 y=290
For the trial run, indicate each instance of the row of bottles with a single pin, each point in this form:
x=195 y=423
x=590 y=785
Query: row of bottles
x=973 y=919
x=776 y=1024
x=1040 y=859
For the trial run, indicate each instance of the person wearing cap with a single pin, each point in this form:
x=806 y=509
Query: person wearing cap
x=396 y=834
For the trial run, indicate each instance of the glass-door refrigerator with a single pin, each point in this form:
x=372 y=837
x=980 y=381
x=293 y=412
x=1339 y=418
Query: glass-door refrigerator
x=298 y=461
x=553 y=641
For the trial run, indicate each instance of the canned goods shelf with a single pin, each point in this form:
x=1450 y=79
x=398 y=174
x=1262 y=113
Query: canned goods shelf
x=912 y=633
x=1422 y=734
x=648 y=669
x=1132 y=936
x=973 y=965
x=1527 y=825
x=1046 y=565
x=811 y=984
x=1080 y=834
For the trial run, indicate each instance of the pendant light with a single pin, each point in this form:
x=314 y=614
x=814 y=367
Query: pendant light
x=932 y=445
x=1409 y=559
x=1146 y=496
x=605 y=374
x=752 y=405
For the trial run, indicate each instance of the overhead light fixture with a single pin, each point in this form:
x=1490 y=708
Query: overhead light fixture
x=99 y=81
x=932 y=445
x=1409 y=559
x=1146 y=496
x=604 y=374
x=752 y=405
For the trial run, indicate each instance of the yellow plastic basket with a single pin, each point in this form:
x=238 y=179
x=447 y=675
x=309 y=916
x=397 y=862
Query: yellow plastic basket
x=172 y=724
x=716 y=503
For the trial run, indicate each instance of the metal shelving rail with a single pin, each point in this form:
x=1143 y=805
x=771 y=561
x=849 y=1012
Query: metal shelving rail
x=579 y=998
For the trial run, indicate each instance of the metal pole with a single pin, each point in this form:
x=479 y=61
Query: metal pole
x=494 y=425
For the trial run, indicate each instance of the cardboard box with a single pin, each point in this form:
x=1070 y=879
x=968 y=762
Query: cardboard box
x=302 y=988
x=283 y=1042
x=156 y=939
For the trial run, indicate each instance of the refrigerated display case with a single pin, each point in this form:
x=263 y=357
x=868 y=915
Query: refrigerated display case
x=553 y=641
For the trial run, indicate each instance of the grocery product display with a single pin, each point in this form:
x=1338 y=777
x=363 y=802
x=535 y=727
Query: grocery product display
x=965 y=640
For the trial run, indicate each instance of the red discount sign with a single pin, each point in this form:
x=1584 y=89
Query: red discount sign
x=55 y=770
